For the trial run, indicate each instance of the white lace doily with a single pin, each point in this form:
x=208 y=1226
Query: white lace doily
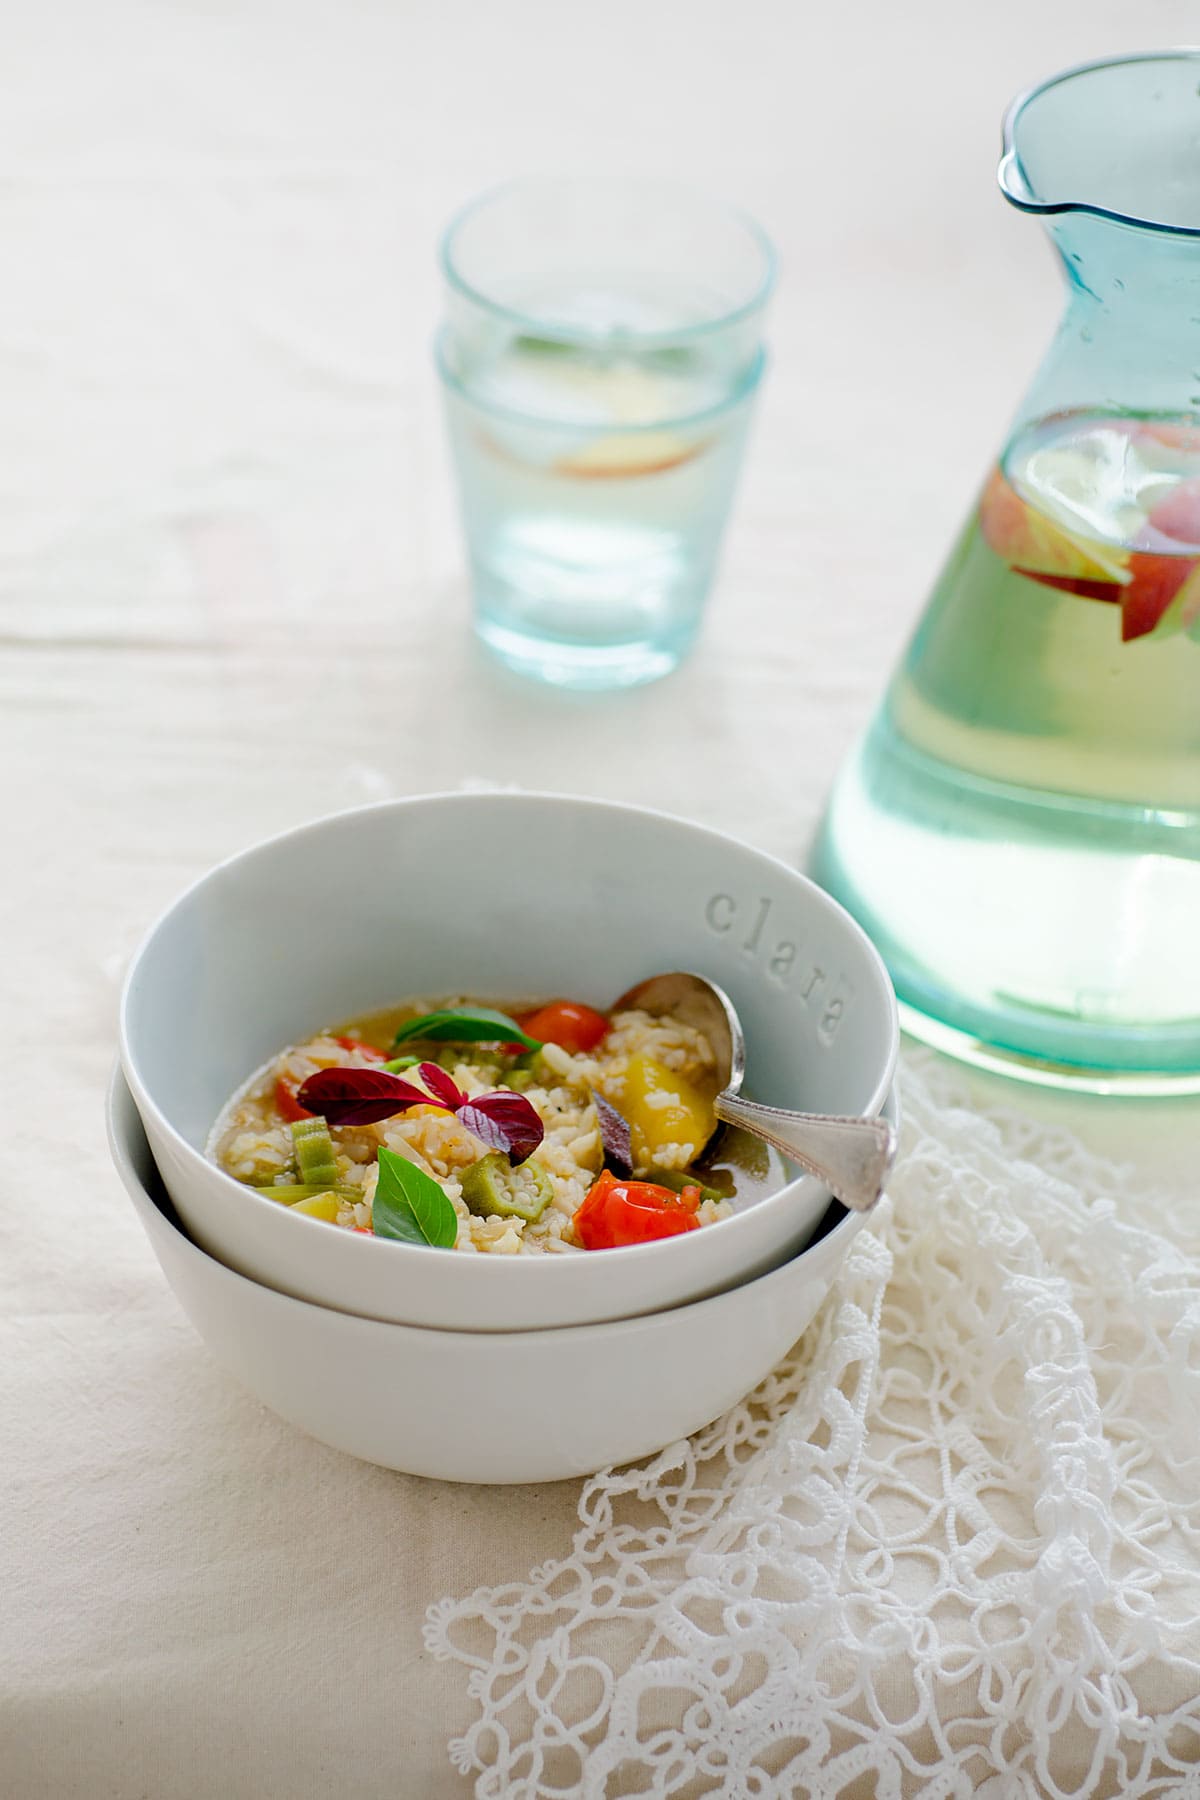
x=950 y=1548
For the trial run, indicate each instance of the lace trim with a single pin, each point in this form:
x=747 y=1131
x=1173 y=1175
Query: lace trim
x=949 y=1548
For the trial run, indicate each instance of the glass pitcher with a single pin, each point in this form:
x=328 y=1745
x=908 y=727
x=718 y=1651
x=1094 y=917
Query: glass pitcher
x=1019 y=830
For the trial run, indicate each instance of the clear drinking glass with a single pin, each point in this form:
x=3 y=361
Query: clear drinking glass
x=600 y=357
x=1020 y=828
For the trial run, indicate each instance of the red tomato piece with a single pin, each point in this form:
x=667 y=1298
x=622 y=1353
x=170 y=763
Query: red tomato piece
x=632 y=1212
x=287 y=1103
x=368 y=1050
x=567 y=1023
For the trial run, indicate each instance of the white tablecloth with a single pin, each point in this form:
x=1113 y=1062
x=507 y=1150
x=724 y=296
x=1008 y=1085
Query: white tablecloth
x=231 y=598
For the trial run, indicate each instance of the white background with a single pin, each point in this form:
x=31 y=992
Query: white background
x=231 y=597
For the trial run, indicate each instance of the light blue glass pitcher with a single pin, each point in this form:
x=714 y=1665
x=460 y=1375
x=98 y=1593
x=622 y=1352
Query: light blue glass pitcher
x=1019 y=830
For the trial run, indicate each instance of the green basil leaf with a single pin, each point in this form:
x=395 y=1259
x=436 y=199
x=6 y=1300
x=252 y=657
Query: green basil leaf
x=467 y=1025
x=409 y=1205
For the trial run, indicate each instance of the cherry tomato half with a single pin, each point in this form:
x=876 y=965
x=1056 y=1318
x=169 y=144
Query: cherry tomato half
x=567 y=1023
x=370 y=1051
x=287 y=1103
x=633 y=1212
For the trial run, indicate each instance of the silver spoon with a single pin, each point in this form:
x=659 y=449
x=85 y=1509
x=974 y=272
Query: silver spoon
x=851 y=1156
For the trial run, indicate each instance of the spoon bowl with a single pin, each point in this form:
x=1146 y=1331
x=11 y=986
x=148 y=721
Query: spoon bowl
x=851 y=1155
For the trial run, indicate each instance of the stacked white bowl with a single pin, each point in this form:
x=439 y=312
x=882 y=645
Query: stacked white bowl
x=469 y=1367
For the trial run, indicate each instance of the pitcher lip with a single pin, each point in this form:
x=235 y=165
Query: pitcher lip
x=1012 y=182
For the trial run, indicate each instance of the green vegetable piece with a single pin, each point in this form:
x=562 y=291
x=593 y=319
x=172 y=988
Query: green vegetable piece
x=489 y=1067
x=400 y=1062
x=314 y=1150
x=466 y=1025
x=410 y=1206
x=490 y=1187
x=529 y=1070
x=678 y=1179
x=288 y=1192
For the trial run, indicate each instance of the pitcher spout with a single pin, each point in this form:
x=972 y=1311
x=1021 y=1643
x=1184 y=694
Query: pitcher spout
x=1118 y=139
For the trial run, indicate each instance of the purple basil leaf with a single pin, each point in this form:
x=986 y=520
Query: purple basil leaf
x=349 y=1096
x=443 y=1089
x=504 y=1121
x=614 y=1135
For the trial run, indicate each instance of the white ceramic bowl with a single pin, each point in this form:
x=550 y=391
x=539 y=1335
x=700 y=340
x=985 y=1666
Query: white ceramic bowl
x=505 y=1407
x=496 y=895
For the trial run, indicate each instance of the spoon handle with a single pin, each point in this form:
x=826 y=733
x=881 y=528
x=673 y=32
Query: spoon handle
x=851 y=1156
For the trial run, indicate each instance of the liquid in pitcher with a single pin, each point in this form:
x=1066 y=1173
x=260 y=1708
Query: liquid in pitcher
x=1061 y=648
x=1020 y=828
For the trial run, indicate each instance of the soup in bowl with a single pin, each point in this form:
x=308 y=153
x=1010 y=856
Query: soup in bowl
x=413 y=1124
x=251 y=976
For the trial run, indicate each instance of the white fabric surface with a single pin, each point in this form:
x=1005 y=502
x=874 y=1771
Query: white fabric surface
x=950 y=1542
x=231 y=598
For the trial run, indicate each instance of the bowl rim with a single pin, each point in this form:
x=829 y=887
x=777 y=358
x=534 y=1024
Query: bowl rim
x=369 y=1245
x=842 y=1235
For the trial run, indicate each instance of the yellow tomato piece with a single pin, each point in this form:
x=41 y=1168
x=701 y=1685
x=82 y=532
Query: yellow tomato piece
x=664 y=1108
x=320 y=1206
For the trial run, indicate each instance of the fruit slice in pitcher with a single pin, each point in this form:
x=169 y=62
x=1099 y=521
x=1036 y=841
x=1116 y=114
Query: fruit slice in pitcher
x=1155 y=583
x=1155 y=589
x=1166 y=588
x=1034 y=545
